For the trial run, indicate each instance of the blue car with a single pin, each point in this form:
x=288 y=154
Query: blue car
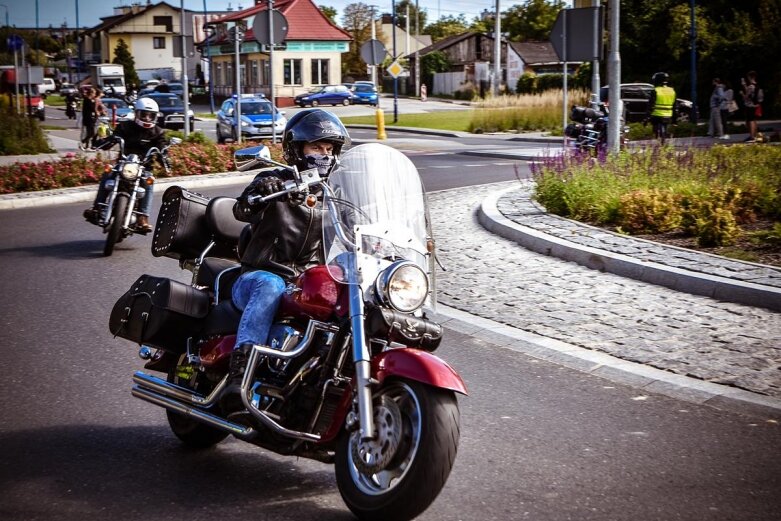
x=365 y=93
x=325 y=95
x=119 y=107
x=257 y=118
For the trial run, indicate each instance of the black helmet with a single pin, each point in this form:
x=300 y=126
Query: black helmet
x=660 y=78
x=309 y=126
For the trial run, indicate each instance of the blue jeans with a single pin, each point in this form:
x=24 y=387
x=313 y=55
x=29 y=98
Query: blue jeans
x=257 y=294
x=145 y=205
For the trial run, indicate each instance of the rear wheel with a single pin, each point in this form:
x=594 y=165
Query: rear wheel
x=220 y=139
x=400 y=473
x=194 y=434
x=115 y=228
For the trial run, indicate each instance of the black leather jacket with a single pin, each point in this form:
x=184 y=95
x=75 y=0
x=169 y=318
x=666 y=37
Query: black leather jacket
x=138 y=140
x=286 y=235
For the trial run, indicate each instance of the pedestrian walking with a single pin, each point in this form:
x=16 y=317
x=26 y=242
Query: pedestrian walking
x=715 y=127
x=752 y=103
x=88 y=118
x=728 y=106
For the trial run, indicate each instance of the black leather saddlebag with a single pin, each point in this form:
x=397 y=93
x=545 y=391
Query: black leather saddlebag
x=405 y=329
x=181 y=231
x=159 y=312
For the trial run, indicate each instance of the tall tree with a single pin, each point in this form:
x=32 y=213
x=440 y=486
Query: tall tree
x=447 y=26
x=123 y=57
x=356 y=20
x=329 y=12
x=401 y=16
x=532 y=20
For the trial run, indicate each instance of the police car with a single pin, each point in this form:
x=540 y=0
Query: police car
x=257 y=118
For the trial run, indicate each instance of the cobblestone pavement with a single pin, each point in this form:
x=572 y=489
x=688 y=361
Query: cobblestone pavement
x=494 y=278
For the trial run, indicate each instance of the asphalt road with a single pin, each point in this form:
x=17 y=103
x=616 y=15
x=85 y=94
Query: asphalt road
x=538 y=441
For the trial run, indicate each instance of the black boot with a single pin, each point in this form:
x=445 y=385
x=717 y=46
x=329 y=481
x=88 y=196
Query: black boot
x=92 y=215
x=238 y=365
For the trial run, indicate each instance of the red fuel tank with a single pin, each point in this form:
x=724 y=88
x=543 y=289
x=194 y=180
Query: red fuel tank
x=317 y=296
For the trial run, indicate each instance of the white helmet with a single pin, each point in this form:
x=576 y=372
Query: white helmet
x=146 y=111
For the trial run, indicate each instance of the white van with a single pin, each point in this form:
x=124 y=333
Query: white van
x=48 y=86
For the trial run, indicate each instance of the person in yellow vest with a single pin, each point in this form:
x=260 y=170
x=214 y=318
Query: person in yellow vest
x=661 y=106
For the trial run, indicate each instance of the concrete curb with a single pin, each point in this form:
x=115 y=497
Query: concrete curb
x=712 y=286
x=605 y=366
x=87 y=193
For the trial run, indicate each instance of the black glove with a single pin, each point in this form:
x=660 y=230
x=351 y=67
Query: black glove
x=266 y=186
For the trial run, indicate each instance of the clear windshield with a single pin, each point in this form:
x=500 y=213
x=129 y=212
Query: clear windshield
x=377 y=198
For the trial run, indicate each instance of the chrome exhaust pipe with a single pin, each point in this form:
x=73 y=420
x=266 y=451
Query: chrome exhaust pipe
x=182 y=394
x=240 y=431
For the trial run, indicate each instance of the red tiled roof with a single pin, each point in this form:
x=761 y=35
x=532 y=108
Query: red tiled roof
x=304 y=19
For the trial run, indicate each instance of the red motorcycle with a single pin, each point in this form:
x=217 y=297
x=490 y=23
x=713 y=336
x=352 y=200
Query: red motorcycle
x=349 y=376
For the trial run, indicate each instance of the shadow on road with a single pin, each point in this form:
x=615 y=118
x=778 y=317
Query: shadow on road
x=73 y=249
x=98 y=472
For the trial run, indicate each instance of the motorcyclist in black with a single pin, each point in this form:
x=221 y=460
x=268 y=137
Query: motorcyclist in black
x=286 y=234
x=140 y=135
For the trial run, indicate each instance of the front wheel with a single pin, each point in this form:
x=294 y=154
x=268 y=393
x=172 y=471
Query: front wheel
x=345 y=102
x=115 y=229
x=315 y=103
x=399 y=474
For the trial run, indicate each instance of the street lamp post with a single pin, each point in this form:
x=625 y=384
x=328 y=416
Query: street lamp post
x=6 y=15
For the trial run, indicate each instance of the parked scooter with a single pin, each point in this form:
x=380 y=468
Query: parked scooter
x=349 y=377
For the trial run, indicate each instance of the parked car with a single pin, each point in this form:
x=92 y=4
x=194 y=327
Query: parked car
x=259 y=119
x=365 y=93
x=177 y=88
x=637 y=97
x=67 y=89
x=119 y=107
x=171 y=110
x=325 y=95
x=47 y=87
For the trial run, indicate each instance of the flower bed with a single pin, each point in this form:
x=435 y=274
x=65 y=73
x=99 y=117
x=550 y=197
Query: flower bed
x=186 y=159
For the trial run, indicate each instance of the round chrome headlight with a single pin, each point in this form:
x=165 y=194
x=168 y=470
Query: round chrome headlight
x=403 y=285
x=131 y=171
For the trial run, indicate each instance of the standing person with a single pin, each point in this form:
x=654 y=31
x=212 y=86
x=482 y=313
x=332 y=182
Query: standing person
x=728 y=106
x=286 y=237
x=88 y=118
x=140 y=135
x=661 y=106
x=752 y=104
x=715 y=128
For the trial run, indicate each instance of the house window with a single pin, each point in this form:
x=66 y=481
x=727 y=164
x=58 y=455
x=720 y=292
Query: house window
x=230 y=78
x=158 y=42
x=319 y=71
x=166 y=21
x=218 y=73
x=292 y=72
x=255 y=74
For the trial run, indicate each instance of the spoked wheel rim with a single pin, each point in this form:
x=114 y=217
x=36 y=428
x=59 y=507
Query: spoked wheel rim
x=378 y=466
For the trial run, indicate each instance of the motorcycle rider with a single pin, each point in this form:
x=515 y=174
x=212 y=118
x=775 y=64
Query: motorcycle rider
x=285 y=238
x=661 y=105
x=140 y=134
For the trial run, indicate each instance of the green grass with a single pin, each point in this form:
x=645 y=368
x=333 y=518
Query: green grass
x=456 y=120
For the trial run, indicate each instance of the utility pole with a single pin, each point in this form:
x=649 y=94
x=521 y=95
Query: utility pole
x=614 y=82
x=694 y=116
x=186 y=93
x=497 y=50
x=595 y=80
x=417 y=45
x=271 y=70
x=374 y=37
x=395 y=57
x=237 y=37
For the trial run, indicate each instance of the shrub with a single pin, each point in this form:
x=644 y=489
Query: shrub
x=20 y=134
x=649 y=211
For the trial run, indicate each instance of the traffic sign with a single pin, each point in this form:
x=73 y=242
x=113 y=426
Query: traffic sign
x=577 y=34
x=373 y=52
x=261 y=30
x=395 y=69
x=14 y=42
